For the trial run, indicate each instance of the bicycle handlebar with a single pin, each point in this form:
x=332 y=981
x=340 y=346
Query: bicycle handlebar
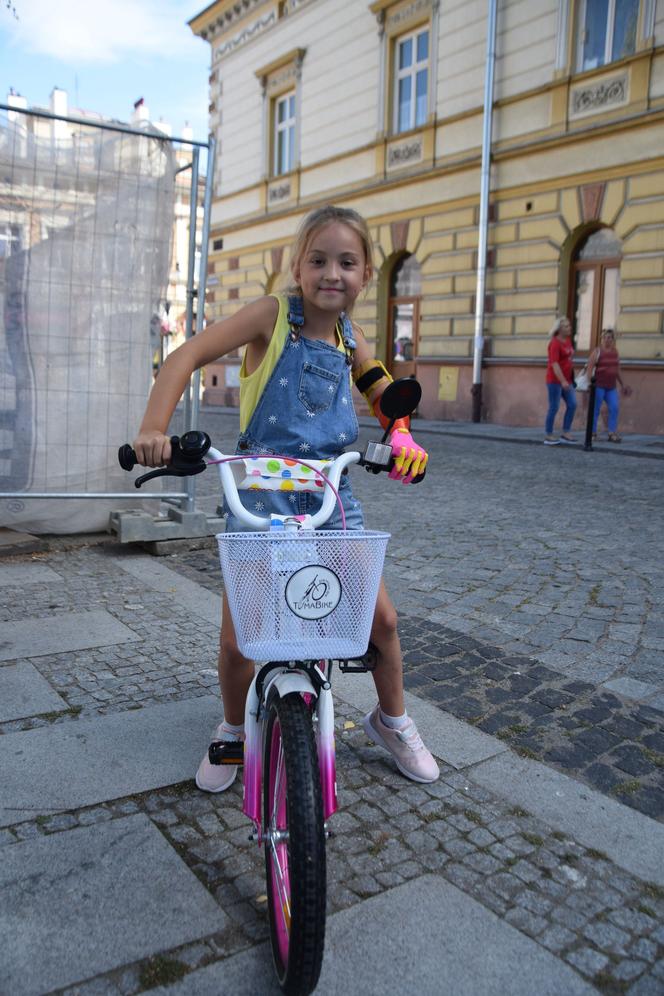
x=188 y=450
x=232 y=472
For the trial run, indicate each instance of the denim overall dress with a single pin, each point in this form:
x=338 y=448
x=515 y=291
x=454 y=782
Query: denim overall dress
x=306 y=411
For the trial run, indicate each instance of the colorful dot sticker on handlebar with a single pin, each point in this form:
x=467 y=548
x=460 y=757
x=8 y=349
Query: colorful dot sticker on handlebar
x=282 y=474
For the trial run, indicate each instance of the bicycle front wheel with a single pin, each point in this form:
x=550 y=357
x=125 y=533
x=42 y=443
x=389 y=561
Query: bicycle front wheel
x=294 y=845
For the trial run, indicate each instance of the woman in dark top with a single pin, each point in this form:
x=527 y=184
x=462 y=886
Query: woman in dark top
x=560 y=381
x=604 y=362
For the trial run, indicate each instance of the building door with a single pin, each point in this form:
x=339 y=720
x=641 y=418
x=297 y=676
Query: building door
x=595 y=288
x=404 y=316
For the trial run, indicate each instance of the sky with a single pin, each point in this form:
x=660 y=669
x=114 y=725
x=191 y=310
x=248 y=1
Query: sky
x=107 y=54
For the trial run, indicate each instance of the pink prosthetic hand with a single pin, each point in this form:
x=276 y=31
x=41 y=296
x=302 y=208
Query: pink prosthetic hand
x=410 y=459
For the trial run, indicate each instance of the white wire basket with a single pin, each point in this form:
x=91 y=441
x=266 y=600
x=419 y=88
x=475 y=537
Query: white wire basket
x=301 y=596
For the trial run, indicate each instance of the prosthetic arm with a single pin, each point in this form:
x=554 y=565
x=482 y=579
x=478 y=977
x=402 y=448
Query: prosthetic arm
x=371 y=378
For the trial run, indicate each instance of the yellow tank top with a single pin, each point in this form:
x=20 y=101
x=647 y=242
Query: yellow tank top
x=252 y=385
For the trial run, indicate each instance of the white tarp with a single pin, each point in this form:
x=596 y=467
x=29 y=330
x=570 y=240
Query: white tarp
x=85 y=230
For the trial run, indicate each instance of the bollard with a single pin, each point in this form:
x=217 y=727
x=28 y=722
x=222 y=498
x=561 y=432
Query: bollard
x=592 y=391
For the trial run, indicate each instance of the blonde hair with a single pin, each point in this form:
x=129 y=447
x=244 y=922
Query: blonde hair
x=555 y=328
x=319 y=218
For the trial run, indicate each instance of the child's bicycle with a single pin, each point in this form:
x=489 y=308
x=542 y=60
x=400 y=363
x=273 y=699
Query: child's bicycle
x=306 y=598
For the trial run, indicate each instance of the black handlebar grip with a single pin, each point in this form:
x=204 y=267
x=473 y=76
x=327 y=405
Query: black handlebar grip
x=126 y=457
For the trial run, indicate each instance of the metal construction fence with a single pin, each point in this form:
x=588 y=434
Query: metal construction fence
x=86 y=221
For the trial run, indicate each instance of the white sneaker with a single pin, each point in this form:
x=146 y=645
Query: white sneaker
x=217 y=777
x=405 y=745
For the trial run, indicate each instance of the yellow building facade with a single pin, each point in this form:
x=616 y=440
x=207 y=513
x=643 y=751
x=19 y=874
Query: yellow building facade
x=379 y=107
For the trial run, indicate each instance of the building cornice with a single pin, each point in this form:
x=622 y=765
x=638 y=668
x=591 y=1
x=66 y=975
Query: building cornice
x=227 y=16
x=223 y=16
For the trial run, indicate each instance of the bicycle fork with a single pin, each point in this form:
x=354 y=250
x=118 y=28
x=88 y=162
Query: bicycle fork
x=323 y=717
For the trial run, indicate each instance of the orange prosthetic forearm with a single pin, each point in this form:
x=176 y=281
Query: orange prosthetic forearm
x=371 y=379
x=400 y=423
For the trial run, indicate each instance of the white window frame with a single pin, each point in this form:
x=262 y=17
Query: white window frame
x=608 y=38
x=287 y=127
x=411 y=71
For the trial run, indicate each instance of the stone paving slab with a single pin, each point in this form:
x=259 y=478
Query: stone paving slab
x=631 y=688
x=13 y=542
x=58 y=634
x=630 y=839
x=188 y=594
x=457 y=743
x=77 y=904
x=80 y=763
x=30 y=572
x=23 y=692
x=425 y=937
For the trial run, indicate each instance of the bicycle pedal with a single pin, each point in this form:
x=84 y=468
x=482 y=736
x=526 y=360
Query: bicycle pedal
x=360 y=665
x=226 y=752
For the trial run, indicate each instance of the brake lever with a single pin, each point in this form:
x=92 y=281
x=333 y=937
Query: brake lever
x=187 y=454
x=168 y=472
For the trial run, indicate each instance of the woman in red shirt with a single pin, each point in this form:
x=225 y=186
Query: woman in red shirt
x=604 y=363
x=560 y=381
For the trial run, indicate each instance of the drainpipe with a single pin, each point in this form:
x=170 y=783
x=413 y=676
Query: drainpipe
x=478 y=344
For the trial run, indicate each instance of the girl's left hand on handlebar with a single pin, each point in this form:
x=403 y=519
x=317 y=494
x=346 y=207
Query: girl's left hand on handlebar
x=153 y=449
x=410 y=459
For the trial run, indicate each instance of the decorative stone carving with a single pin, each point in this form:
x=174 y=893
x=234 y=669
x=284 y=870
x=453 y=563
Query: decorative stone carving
x=405 y=153
x=257 y=27
x=292 y=5
x=279 y=192
x=402 y=15
x=592 y=196
x=596 y=97
x=281 y=78
x=399 y=231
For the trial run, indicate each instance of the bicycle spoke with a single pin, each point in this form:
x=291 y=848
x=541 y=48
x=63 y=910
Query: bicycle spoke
x=277 y=836
x=280 y=881
x=279 y=789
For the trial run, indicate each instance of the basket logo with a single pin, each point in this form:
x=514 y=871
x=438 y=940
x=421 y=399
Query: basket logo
x=313 y=592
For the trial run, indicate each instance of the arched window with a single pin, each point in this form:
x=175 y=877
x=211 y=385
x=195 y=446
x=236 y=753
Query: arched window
x=595 y=286
x=404 y=315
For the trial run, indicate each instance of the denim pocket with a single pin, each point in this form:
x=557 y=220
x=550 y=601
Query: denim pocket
x=318 y=387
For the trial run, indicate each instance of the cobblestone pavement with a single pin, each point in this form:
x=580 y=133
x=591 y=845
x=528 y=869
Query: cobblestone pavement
x=529 y=586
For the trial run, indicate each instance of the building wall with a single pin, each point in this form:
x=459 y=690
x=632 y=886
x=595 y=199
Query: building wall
x=566 y=160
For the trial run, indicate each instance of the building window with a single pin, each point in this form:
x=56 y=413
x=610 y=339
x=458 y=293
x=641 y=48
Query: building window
x=281 y=85
x=606 y=31
x=284 y=133
x=404 y=315
x=411 y=80
x=595 y=287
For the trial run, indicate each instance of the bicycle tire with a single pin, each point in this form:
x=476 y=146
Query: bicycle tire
x=295 y=866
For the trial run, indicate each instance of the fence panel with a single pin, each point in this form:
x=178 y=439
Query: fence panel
x=86 y=220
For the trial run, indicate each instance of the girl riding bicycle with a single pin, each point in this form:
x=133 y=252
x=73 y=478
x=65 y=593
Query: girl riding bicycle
x=295 y=400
